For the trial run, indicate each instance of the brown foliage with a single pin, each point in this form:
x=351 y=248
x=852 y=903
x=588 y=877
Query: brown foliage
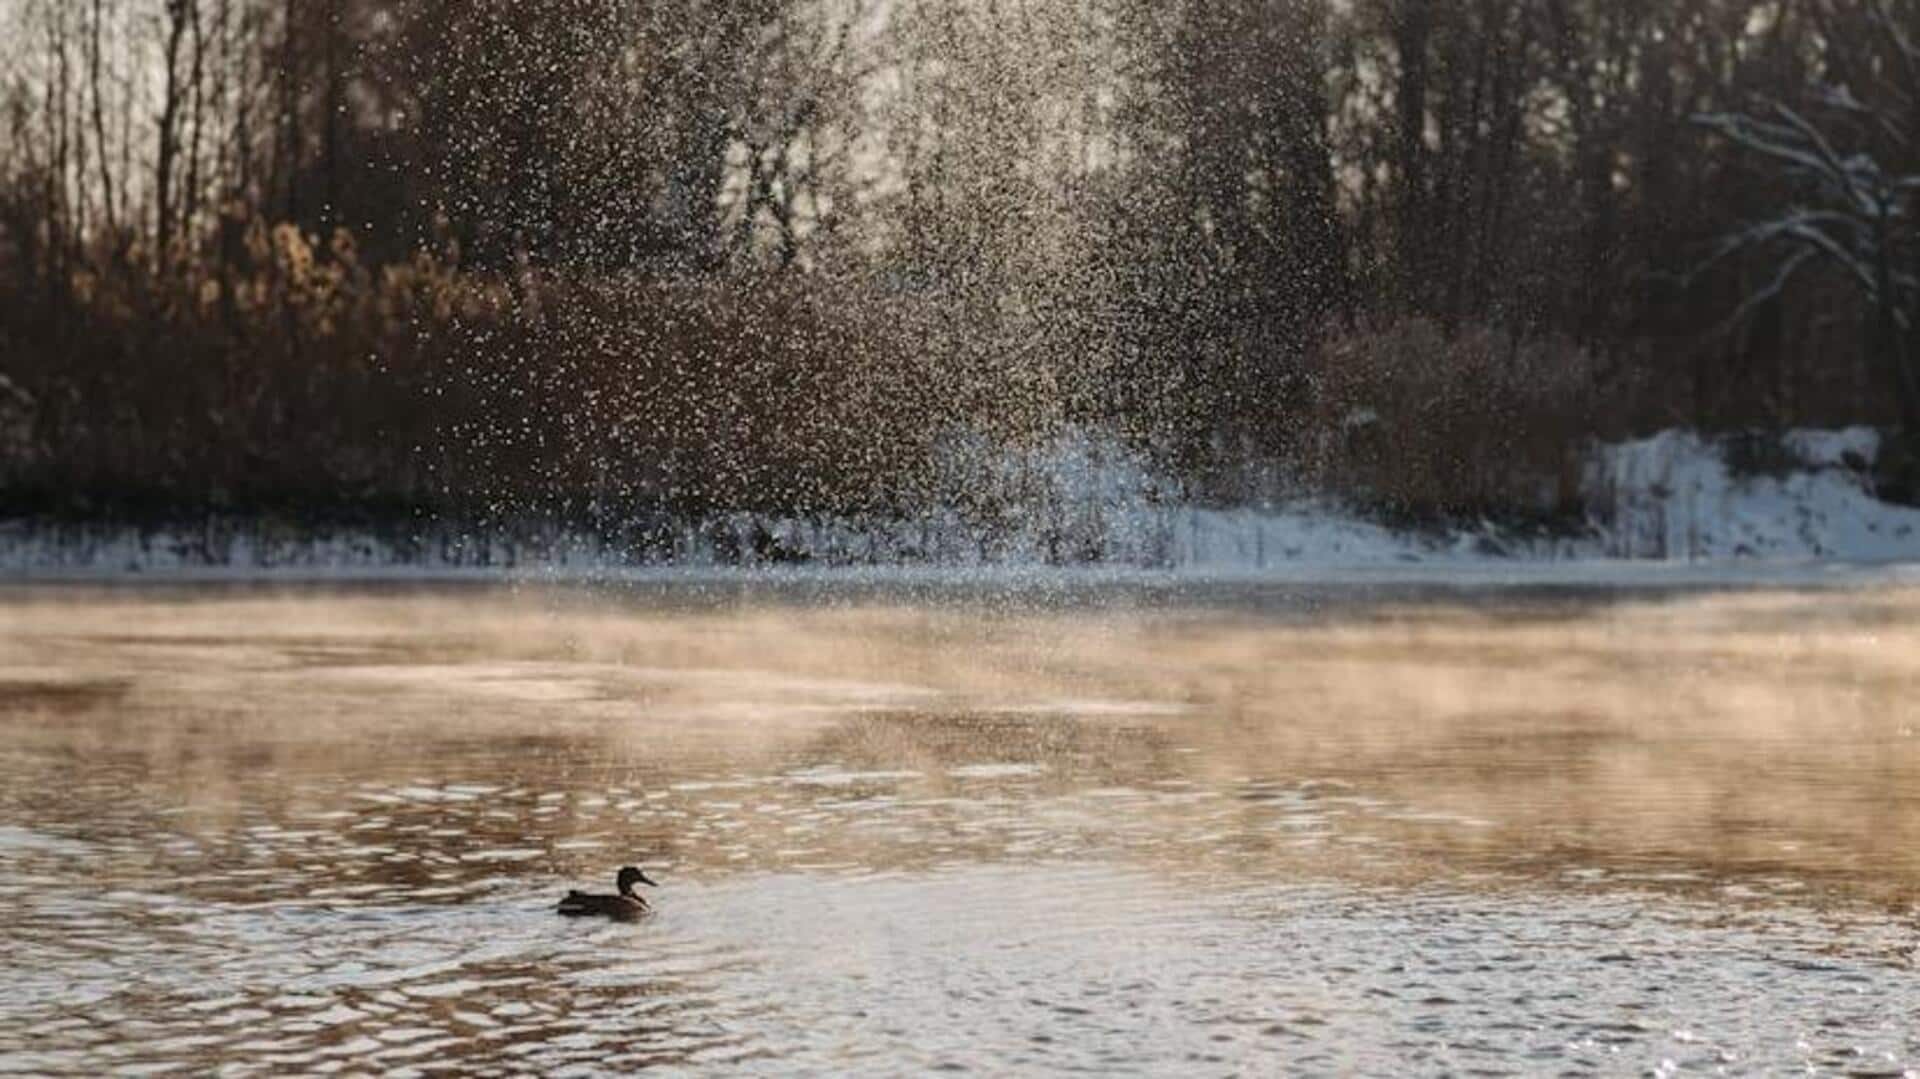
x=1433 y=425
x=293 y=373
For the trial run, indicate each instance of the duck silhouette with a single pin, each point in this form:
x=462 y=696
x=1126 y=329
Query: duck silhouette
x=623 y=906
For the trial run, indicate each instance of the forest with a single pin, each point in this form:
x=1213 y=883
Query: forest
x=351 y=259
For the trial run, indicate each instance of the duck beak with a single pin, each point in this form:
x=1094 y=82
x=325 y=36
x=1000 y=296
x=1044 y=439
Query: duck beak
x=649 y=882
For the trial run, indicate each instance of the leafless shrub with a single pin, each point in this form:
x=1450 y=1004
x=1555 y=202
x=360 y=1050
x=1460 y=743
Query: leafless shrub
x=1431 y=425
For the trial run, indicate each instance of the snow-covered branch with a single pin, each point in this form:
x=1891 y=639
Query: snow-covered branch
x=1849 y=210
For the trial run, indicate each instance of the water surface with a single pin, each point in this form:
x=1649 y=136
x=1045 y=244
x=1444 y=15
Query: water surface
x=1170 y=832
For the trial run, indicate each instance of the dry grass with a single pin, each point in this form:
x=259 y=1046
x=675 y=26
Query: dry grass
x=273 y=370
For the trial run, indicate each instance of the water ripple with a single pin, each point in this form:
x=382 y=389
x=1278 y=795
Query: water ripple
x=265 y=858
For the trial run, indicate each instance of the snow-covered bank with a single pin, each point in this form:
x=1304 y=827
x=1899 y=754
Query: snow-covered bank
x=1672 y=508
x=1675 y=497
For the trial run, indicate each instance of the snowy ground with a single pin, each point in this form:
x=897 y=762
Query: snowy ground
x=1671 y=511
x=1674 y=497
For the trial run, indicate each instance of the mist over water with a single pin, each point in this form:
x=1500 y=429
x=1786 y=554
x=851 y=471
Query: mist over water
x=1068 y=295
x=1133 y=830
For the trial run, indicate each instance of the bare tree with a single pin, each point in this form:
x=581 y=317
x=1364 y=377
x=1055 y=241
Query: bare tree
x=179 y=15
x=1847 y=209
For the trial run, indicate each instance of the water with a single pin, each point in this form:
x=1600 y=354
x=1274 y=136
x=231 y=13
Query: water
x=1122 y=830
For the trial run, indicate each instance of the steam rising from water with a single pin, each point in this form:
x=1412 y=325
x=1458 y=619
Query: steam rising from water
x=1152 y=832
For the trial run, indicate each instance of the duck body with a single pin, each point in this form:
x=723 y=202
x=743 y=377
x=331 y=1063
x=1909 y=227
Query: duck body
x=623 y=906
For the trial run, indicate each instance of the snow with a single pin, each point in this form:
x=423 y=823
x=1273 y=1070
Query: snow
x=1849 y=447
x=1669 y=509
x=1674 y=497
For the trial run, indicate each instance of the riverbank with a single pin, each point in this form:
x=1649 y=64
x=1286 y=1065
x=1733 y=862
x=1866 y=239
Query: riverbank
x=1675 y=505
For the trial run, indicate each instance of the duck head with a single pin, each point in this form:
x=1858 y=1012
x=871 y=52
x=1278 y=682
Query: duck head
x=630 y=876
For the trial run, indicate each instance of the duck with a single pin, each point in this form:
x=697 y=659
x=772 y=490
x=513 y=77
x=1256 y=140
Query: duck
x=623 y=907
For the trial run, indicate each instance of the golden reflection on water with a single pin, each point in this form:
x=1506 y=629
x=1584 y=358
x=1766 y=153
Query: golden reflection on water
x=1765 y=739
x=281 y=829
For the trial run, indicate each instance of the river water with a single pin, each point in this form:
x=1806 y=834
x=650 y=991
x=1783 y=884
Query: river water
x=1111 y=829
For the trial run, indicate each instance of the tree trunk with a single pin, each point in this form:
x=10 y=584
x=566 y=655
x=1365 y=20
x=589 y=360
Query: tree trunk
x=100 y=120
x=169 y=134
x=1412 y=28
